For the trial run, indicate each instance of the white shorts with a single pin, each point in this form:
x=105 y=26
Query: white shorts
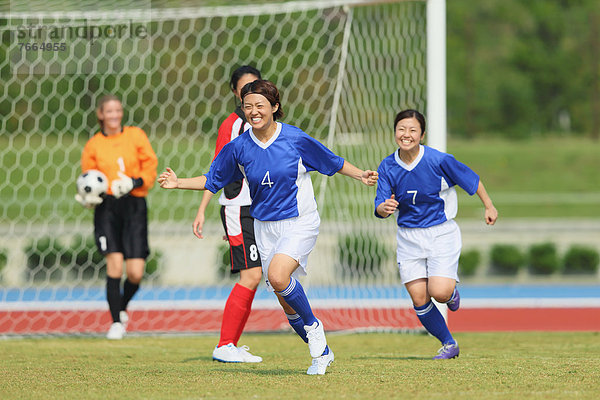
x=295 y=237
x=425 y=252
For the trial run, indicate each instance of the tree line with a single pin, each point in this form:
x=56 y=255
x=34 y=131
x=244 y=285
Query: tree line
x=514 y=68
x=523 y=67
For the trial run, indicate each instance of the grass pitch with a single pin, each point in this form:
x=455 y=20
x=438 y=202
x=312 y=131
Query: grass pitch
x=529 y=365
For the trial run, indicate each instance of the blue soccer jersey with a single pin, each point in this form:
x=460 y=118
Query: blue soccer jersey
x=277 y=172
x=425 y=188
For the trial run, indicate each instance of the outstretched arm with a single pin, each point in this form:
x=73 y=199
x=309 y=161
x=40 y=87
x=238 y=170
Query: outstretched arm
x=169 y=180
x=367 y=177
x=491 y=214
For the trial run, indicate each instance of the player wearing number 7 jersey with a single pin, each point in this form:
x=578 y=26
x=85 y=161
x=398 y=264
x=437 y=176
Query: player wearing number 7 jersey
x=125 y=156
x=275 y=159
x=417 y=183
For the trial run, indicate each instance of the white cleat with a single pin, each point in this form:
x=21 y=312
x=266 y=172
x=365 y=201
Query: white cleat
x=116 y=331
x=319 y=364
x=231 y=354
x=124 y=317
x=227 y=354
x=247 y=356
x=316 y=338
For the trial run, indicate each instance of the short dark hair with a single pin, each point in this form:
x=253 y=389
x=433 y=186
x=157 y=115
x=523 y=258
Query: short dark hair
x=241 y=71
x=267 y=89
x=410 y=113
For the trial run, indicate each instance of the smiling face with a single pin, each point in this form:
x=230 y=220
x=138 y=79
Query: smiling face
x=408 y=134
x=111 y=115
x=259 y=111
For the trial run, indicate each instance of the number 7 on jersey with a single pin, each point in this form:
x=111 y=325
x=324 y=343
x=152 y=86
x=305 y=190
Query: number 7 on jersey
x=414 y=193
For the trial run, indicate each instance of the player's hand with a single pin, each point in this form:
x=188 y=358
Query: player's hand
x=388 y=207
x=491 y=215
x=88 y=200
x=120 y=187
x=168 y=179
x=369 y=177
x=197 y=225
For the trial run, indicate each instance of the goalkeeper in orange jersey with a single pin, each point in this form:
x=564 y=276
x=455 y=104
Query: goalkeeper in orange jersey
x=125 y=156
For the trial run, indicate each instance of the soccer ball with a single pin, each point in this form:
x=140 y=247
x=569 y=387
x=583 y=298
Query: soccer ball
x=92 y=182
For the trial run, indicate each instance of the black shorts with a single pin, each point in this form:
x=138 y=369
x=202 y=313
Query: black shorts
x=121 y=226
x=239 y=228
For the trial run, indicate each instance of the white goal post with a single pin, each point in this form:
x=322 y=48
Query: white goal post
x=344 y=68
x=436 y=74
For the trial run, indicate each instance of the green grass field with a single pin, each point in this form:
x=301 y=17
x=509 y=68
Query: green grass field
x=547 y=177
x=367 y=366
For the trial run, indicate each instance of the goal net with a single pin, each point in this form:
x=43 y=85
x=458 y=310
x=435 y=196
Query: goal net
x=344 y=68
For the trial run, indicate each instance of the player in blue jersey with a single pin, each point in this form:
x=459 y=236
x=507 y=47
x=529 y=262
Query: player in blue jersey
x=239 y=230
x=417 y=183
x=275 y=160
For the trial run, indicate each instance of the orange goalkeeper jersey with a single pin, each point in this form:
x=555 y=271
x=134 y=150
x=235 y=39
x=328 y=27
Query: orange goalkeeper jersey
x=129 y=152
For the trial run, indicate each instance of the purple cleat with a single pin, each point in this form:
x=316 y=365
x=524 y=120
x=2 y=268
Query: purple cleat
x=448 y=351
x=454 y=304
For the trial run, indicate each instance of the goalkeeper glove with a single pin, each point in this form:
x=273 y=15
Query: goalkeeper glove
x=120 y=187
x=88 y=200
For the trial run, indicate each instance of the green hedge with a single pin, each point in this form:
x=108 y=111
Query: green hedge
x=468 y=262
x=3 y=260
x=224 y=262
x=581 y=260
x=543 y=259
x=361 y=255
x=85 y=260
x=506 y=259
x=153 y=265
x=46 y=259
x=49 y=259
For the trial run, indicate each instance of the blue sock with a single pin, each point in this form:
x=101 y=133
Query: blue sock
x=298 y=325
x=294 y=295
x=434 y=322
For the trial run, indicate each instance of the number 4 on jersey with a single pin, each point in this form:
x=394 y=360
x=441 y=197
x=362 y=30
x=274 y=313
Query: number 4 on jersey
x=267 y=180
